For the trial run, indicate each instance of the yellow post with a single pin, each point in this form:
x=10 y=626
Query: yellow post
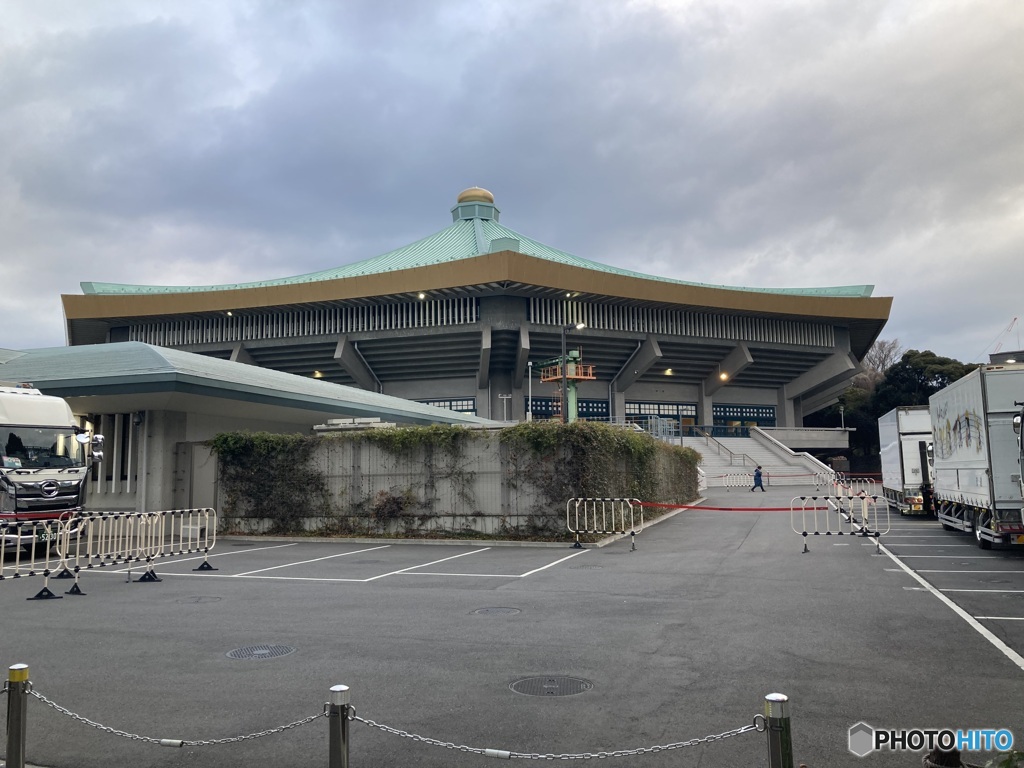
x=17 y=709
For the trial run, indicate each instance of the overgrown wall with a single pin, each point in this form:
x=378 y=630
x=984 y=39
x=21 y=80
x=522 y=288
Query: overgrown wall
x=441 y=481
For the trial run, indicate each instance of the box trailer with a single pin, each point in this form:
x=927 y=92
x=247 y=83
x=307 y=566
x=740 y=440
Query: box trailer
x=976 y=454
x=904 y=436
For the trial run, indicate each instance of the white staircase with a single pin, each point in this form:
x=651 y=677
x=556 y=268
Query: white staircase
x=730 y=462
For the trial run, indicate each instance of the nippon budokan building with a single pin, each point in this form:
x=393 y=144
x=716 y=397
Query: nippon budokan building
x=466 y=318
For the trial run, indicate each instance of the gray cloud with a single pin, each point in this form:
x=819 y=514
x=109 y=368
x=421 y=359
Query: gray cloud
x=776 y=144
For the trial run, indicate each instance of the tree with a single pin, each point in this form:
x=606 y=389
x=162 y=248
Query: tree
x=916 y=377
x=883 y=354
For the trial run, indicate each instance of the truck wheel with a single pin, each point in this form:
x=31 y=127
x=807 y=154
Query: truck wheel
x=979 y=522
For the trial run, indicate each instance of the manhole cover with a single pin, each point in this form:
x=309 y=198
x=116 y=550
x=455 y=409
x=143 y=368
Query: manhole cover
x=259 y=652
x=585 y=567
x=496 y=611
x=199 y=599
x=554 y=685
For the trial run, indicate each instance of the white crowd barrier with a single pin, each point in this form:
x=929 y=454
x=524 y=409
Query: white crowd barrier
x=604 y=516
x=739 y=480
x=839 y=515
x=85 y=540
x=854 y=486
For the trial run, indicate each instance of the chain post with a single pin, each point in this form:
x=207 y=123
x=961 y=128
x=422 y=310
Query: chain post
x=17 y=712
x=780 y=741
x=337 y=723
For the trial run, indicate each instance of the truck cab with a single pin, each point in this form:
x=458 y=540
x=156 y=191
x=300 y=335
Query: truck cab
x=44 y=465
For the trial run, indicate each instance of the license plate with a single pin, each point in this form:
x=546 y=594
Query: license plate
x=46 y=536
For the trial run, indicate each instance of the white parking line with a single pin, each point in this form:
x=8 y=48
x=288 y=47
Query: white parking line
x=135 y=566
x=1002 y=647
x=962 y=570
x=432 y=562
x=1001 y=618
x=939 y=546
x=314 y=560
x=993 y=591
x=495 y=575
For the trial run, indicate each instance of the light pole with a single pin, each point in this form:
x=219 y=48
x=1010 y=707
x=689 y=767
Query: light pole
x=842 y=417
x=529 y=393
x=504 y=406
x=565 y=378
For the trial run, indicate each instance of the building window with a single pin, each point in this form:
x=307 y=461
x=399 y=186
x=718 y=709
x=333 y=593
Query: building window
x=743 y=415
x=550 y=408
x=458 y=404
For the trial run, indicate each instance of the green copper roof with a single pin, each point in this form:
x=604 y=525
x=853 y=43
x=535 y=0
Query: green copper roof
x=475 y=231
x=132 y=367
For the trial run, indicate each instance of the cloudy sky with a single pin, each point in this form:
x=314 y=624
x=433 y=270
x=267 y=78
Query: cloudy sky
x=778 y=143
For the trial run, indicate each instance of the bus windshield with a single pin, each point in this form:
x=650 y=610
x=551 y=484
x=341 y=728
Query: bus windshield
x=39 y=447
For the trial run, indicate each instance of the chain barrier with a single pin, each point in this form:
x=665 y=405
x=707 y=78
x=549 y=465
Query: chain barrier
x=172 y=742
x=339 y=712
x=758 y=725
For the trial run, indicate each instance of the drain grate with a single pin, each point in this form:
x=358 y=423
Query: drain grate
x=199 y=599
x=496 y=611
x=260 y=652
x=585 y=567
x=551 y=685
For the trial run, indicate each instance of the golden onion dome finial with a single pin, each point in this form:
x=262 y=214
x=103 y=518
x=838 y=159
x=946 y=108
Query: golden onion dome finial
x=475 y=195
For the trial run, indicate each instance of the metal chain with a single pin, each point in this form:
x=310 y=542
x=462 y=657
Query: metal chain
x=578 y=756
x=174 y=742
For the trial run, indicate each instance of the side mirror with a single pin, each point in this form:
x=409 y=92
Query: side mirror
x=97 y=456
x=82 y=438
x=1016 y=425
x=97 y=442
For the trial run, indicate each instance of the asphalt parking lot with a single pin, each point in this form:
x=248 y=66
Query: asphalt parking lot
x=475 y=644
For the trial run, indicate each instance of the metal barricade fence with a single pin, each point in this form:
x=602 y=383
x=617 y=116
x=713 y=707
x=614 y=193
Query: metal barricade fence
x=86 y=540
x=740 y=480
x=605 y=517
x=824 y=479
x=839 y=515
x=855 y=486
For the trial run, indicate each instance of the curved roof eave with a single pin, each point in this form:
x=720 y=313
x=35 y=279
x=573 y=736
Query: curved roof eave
x=498 y=267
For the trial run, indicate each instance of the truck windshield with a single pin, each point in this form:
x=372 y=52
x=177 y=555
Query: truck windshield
x=38 y=447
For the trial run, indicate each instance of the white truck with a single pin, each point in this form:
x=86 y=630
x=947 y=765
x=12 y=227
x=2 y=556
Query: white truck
x=904 y=435
x=44 y=465
x=977 y=454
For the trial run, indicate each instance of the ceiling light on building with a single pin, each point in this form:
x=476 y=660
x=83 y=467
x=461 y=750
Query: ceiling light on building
x=422 y=295
x=668 y=371
x=318 y=374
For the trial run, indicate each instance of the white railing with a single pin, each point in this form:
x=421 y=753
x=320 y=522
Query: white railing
x=85 y=540
x=604 y=516
x=839 y=515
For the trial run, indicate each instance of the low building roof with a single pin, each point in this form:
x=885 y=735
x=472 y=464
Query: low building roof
x=129 y=376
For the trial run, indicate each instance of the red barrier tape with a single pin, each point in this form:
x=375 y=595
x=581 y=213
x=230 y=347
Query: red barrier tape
x=729 y=509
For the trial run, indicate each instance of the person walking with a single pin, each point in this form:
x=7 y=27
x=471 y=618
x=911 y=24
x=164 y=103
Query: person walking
x=757 y=481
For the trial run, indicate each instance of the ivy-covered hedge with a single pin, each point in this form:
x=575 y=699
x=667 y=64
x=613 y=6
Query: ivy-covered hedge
x=443 y=480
